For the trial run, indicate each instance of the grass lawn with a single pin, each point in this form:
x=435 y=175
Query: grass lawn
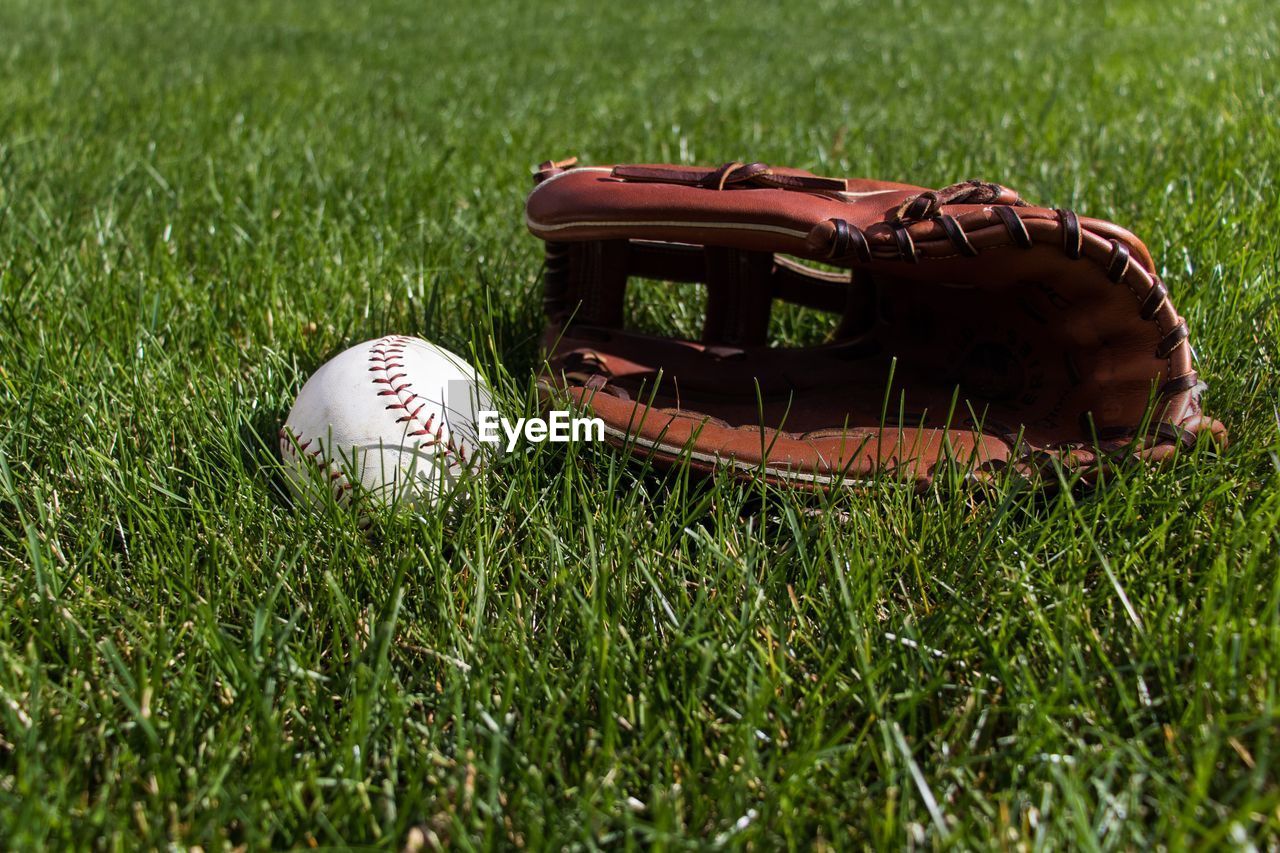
x=200 y=203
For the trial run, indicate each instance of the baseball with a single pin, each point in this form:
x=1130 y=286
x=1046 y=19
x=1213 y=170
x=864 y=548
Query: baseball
x=389 y=423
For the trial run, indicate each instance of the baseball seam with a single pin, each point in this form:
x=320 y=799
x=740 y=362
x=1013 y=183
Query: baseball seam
x=294 y=448
x=386 y=357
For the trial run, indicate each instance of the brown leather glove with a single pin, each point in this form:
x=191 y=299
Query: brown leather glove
x=1013 y=334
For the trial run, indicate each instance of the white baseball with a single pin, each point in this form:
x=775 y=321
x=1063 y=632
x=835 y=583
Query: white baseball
x=390 y=422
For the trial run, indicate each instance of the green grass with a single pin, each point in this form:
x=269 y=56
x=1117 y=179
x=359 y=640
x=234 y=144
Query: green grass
x=201 y=203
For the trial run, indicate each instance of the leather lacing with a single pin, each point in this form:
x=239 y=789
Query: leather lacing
x=929 y=203
x=1072 y=238
x=850 y=242
x=731 y=175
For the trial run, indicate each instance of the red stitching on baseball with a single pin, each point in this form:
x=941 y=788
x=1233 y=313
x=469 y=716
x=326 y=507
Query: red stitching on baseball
x=292 y=447
x=389 y=351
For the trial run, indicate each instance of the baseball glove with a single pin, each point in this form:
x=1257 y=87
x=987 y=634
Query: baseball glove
x=973 y=329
